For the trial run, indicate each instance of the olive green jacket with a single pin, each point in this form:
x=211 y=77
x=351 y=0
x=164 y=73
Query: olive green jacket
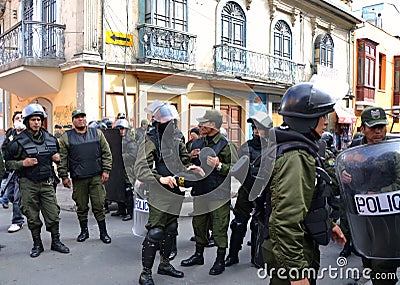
x=106 y=156
x=292 y=188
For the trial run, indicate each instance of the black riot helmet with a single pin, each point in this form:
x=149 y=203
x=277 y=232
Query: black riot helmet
x=328 y=138
x=303 y=104
x=33 y=110
x=107 y=122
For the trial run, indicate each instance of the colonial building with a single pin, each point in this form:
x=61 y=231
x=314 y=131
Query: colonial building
x=114 y=56
x=377 y=71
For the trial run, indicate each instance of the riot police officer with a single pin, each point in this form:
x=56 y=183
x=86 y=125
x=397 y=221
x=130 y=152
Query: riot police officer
x=129 y=153
x=86 y=155
x=299 y=221
x=164 y=148
x=261 y=123
x=329 y=159
x=215 y=154
x=32 y=154
x=376 y=170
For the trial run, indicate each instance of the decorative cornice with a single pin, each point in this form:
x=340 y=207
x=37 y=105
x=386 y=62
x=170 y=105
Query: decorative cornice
x=248 y=2
x=315 y=22
x=295 y=15
x=331 y=28
x=272 y=8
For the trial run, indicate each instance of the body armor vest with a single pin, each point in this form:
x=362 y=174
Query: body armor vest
x=213 y=180
x=84 y=159
x=167 y=161
x=255 y=161
x=43 y=152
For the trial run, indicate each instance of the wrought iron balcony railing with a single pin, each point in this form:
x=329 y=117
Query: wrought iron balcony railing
x=165 y=44
x=31 y=39
x=239 y=61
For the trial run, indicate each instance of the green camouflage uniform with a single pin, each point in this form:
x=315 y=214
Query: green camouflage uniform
x=36 y=196
x=91 y=187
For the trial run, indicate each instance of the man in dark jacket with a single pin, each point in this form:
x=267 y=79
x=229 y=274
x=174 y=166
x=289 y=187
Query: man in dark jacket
x=12 y=192
x=261 y=123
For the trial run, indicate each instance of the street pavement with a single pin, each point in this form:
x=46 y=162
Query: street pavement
x=93 y=262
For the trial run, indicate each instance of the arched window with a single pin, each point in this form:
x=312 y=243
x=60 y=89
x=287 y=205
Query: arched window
x=282 y=40
x=323 y=50
x=233 y=22
x=28 y=10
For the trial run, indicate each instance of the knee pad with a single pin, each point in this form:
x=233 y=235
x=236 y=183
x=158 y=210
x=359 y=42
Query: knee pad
x=172 y=228
x=155 y=235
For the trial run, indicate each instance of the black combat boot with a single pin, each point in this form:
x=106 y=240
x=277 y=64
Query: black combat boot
x=238 y=233
x=103 y=232
x=84 y=235
x=255 y=250
x=149 y=250
x=219 y=264
x=166 y=268
x=37 y=248
x=121 y=210
x=57 y=245
x=196 y=259
x=174 y=250
x=129 y=205
x=145 y=277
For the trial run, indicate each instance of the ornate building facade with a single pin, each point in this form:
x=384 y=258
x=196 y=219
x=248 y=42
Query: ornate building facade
x=114 y=56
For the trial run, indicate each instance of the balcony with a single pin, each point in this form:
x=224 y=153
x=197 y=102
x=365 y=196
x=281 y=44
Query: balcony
x=31 y=52
x=166 y=46
x=238 y=61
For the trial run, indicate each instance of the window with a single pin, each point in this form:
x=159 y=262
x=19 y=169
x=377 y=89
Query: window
x=167 y=13
x=28 y=10
x=28 y=16
x=233 y=31
x=396 y=91
x=382 y=71
x=369 y=57
x=366 y=57
x=323 y=50
x=282 y=40
x=233 y=25
x=49 y=37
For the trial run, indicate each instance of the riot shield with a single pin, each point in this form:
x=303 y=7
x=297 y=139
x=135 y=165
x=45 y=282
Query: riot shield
x=129 y=154
x=115 y=186
x=369 y=180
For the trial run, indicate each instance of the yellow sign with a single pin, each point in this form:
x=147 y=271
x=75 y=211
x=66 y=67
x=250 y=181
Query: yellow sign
x=117 y=38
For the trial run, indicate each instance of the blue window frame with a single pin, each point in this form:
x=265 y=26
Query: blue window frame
x=324 y=50
x=167 y=13
x=282 y=40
